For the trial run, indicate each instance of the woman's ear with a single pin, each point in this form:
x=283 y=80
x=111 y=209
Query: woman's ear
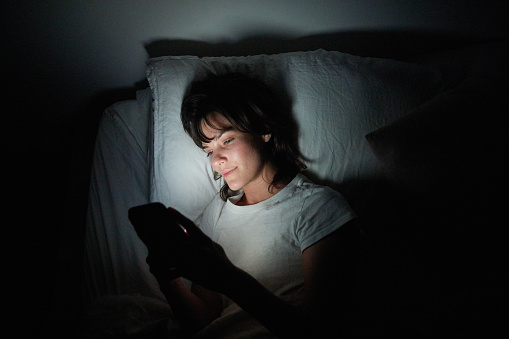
x=266 y=137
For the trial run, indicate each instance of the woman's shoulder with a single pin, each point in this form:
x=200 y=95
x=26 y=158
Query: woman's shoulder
x=313 y=196
x=308 y=188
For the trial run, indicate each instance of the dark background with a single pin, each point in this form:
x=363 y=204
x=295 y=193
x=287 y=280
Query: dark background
x=64 y=62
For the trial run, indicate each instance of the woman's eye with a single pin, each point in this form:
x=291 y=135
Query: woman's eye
x=226 y=142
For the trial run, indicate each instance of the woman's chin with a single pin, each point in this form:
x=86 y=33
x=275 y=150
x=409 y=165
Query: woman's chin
x=233 y=186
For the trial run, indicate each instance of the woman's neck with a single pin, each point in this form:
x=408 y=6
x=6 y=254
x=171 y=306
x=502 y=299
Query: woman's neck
x=254 y=198
x=260 y=190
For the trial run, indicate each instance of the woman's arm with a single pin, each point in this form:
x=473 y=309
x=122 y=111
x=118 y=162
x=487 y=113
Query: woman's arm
x=194 y=308
x=280 y=318
x=330 y=266
x=203 y=261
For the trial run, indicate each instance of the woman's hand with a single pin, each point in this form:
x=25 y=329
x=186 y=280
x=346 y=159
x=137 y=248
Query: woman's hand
x=191 y=255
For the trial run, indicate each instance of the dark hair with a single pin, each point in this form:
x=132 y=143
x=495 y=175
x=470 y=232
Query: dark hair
x=251 y=107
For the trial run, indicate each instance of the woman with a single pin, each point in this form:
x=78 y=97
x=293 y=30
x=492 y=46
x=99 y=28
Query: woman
x=274 y=253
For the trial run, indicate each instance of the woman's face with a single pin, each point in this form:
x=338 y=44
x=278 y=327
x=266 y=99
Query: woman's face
x=237 y=156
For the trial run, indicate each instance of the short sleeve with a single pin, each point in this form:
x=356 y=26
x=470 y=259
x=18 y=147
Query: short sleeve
x=323 y=212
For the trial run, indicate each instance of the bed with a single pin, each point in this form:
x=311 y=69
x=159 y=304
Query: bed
x=414 y=145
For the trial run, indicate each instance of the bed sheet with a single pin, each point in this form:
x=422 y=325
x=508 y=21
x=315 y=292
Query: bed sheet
x=114 y=257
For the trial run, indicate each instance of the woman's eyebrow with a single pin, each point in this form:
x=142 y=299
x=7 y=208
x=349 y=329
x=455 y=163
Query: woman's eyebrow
x=221 y=132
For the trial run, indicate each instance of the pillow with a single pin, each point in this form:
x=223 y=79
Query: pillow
x=336 y=99
x=450 y=147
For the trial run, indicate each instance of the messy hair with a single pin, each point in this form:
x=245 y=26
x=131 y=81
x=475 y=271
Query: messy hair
x=250 y=107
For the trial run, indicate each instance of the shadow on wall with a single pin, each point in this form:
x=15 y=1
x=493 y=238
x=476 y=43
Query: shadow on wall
x=383 y=44
x=393 y=44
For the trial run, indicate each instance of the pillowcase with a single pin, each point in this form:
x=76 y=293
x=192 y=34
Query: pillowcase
x=336 y=99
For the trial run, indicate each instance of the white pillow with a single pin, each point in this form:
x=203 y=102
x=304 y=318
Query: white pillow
x=336 y=100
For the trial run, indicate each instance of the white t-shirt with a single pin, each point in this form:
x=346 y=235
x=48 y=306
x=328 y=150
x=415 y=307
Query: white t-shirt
x=267 y=239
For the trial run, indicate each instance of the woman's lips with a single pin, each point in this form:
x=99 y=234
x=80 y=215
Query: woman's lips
x=227 y=172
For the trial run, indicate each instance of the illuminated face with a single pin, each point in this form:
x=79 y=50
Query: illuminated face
x=236 y=155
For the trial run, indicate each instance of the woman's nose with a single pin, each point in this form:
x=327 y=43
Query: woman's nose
x=217 y=159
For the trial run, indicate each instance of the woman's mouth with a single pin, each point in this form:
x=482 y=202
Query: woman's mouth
x=227 y=172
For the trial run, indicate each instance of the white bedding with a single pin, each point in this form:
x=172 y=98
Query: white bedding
x=336 y=99
x=114 y=257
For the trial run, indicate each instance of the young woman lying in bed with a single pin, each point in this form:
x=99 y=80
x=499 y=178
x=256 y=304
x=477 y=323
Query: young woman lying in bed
x=273 y=252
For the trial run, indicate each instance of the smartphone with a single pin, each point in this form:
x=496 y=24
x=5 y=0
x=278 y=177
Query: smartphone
x=155 y=226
